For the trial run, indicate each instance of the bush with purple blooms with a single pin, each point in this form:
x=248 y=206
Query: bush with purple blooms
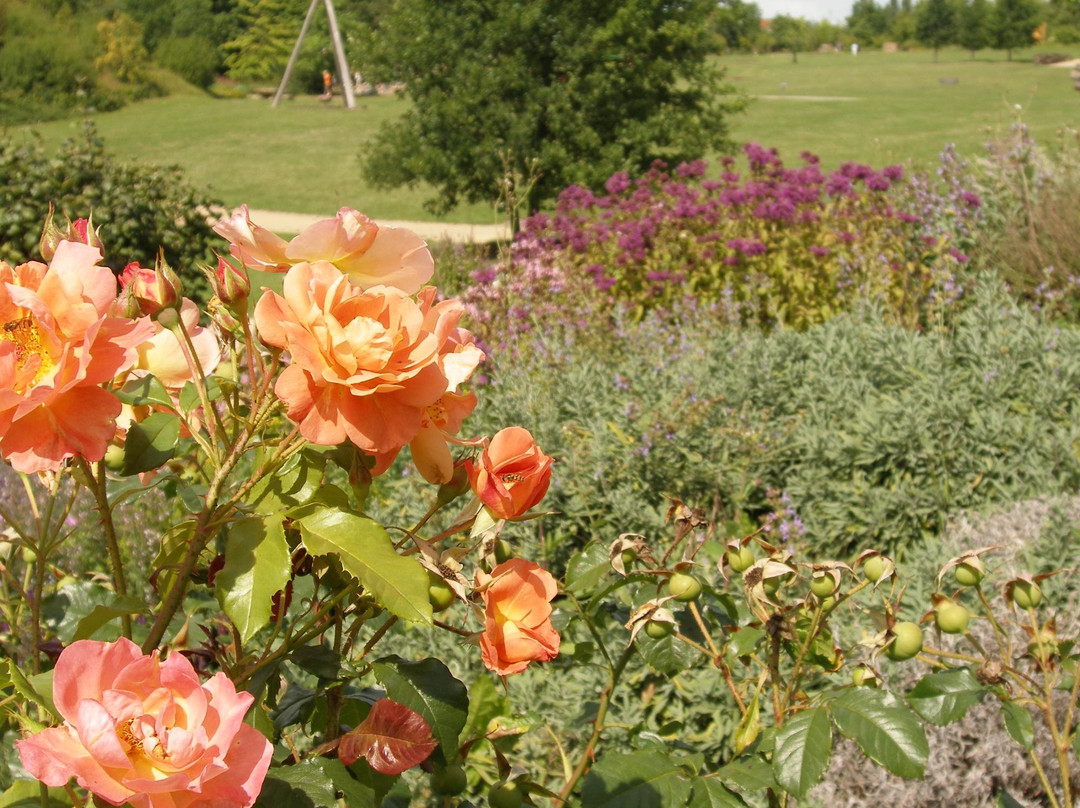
x=771 y=246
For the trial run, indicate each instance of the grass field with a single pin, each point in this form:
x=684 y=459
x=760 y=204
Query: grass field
x=304 y=155
x=903 y=109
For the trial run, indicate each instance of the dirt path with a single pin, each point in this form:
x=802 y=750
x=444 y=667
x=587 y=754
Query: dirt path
x=285 y=223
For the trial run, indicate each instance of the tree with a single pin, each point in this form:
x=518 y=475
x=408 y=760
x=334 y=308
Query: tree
x=1013 y=23
x=973 y=26
x=867 y=22
x=934 y=24
x=268 y=32
x=790 y=33
x=737 y=23
x=515 y=101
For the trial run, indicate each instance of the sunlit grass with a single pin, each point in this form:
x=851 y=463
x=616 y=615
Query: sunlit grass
x=304 y=156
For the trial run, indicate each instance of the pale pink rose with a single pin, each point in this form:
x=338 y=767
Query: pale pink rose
x=162 y=357
x=365 y=364
x=58 y=346
x=147 y=733
x=370 y=255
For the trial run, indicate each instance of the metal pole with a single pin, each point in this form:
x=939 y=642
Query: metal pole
x=295 y=52
x=339 y=53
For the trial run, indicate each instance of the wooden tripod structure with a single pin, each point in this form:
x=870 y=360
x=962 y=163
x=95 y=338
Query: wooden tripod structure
x=344 y=76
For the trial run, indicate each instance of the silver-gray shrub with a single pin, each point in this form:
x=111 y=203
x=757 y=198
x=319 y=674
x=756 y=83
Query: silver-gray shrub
x=871 y=433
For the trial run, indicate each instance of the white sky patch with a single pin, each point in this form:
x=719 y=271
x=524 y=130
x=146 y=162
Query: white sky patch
x=832 y=10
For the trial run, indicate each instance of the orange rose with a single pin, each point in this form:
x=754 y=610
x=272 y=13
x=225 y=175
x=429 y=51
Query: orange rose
x=366 y=365
x=517 y=609
x=370 y=255
x=513 y=474
x=58 y=346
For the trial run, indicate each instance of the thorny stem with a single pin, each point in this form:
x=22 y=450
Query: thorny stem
x=598 y=724
x=1060 y=741
x=999 y=632
x=1043 y=779
x=208 y=520
x=796 y=672
x=198 y=378
x=96 y=473
x=704 y=631
x=312 y=628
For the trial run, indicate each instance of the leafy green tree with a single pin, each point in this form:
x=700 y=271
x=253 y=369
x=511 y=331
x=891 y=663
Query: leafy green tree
x=1013 y=23
x=867 y=22
x=973 y=24
x=791 y=34
x=268 y=31
x=935 y=24
x=737 y=23
x=515 y=101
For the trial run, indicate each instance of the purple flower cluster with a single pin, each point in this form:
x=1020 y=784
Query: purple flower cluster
x=770 y=244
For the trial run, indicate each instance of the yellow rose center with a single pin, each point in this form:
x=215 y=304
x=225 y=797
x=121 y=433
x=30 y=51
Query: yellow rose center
x=25 y=335
x=138 y=736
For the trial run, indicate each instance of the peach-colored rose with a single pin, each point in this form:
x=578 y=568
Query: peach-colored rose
x=365 y=365
x=370 y=255
x=148 y=733
x=513 y=474
x=58 y=345
x=162 y=357
x=517 y=612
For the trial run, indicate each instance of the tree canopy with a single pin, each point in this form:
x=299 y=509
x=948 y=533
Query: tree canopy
x=541 y=94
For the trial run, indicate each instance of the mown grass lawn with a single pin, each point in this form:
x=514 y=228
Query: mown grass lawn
x=904 y=110
x=304 y=156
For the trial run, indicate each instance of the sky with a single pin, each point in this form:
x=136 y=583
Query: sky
x=831 y=10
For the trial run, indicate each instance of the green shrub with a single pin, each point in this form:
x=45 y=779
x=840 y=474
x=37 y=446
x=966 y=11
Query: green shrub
x=852 y=434
x=136 y=208
x=192 y=58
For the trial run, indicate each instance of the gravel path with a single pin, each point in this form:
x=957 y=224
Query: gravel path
x=284 y=223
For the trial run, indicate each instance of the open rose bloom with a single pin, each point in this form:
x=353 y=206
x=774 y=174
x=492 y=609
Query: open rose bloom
x=58 y=345
x=148 y=733
x=375 y=367
x=517 y=616
x=370 y=255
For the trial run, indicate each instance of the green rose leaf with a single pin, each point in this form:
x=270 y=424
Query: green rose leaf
x=803 y=747
x=1019 y=724
x=105 y=613
x=887 y=732
x=944 y=697
x=293 y=484
x=1006 y=800
x=428 y=688
x=174 y=545
x=305 y=785
x=587 y=568
x=257 y=564
x=150 y=443
x=398 y=583
x=710 y=792
x=144 y=390
x=642 y=779
x=747 y=774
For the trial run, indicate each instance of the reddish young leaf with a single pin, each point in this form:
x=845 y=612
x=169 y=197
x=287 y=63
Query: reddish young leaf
x=392 y=738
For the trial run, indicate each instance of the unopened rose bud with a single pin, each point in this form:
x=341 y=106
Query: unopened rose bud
x=84 y=232
x=222 y=317
x=155 y=289
x=51 y=236
x=232 y=286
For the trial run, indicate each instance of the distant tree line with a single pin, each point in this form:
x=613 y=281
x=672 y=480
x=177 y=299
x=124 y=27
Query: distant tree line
x=972 y=24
